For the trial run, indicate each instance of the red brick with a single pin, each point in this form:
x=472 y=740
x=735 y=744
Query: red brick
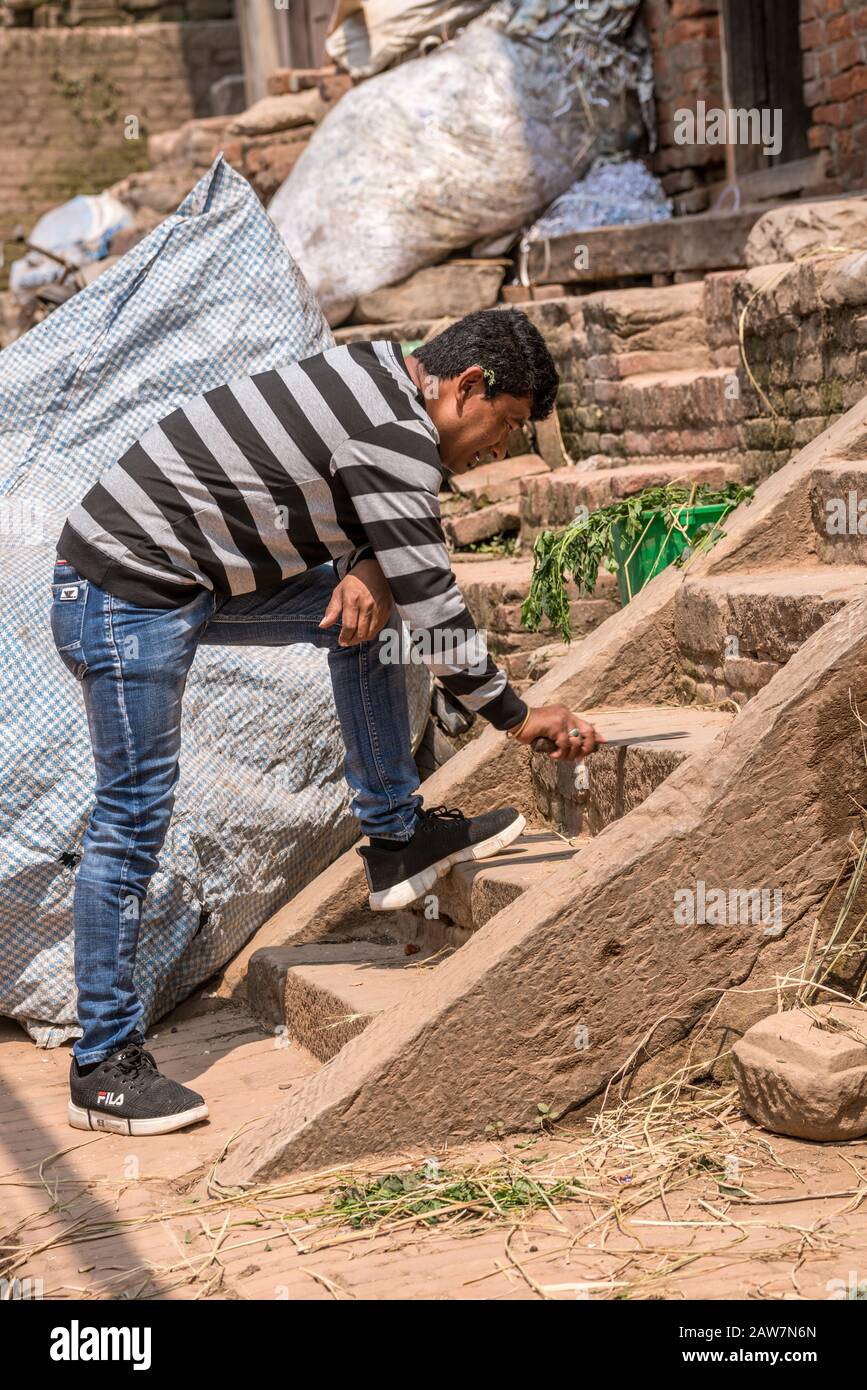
x=827 y=115
x=859 y=19
x=819 y=137
x=847 y=85
x=826 y=62
x=686 y=9
x=852 y=169
x=814 y=93
x=812 y=34
x=687 y=29
x=839 y=28
x=847 y=53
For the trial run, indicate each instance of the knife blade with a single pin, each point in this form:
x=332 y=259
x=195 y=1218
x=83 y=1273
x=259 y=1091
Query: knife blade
x=547 y=745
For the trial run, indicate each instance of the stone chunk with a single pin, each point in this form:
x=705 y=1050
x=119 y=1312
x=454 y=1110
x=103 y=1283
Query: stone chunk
x=280 y=113
x=799 y=229
x=806 y=1076
x=492 y=482
x=449 y=290
x=481 y=525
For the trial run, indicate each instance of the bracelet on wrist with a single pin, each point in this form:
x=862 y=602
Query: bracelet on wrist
x=518 y=728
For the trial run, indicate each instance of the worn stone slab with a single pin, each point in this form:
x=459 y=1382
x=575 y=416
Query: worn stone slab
x=585 y=798
x=804 y=1072
x=326 y=993
x=764 y=616
x=805 y=229
x=597 y=949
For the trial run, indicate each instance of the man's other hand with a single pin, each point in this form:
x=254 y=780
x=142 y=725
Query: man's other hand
x=361 y=603
x=557 y=722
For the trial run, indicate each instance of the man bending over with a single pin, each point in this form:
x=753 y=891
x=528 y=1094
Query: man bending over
x=295 y=505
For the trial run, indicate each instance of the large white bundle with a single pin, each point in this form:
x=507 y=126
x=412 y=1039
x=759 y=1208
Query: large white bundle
x=472 y=140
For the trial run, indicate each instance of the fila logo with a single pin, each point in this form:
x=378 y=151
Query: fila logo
x=109 y=1098
x=70 y=591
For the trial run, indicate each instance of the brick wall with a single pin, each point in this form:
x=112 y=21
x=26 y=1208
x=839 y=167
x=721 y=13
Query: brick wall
x=66 y=95
x=684 y=36
x=51 y=14
x=834 y=47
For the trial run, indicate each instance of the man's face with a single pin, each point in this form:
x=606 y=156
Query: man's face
x=470 y=427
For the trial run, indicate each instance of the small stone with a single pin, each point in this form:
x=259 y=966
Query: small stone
x=806 y=1078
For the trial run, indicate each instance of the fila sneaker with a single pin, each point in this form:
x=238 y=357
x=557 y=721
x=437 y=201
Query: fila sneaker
x=399 y=871
x=127 y=1094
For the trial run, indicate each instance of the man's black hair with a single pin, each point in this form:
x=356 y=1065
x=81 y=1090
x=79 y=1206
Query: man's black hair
x=507 y=346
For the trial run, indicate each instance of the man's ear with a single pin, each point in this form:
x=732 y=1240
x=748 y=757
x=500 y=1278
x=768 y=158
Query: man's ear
x=470 y=383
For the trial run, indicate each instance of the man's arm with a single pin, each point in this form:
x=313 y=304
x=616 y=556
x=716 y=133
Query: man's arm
x=392 y=475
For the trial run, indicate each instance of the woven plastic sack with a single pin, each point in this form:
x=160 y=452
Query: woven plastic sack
x=376 y=34
x=262 y=806
x=472 y=140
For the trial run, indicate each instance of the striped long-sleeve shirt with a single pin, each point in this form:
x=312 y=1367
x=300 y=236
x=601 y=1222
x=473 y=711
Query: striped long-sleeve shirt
x=332 y=458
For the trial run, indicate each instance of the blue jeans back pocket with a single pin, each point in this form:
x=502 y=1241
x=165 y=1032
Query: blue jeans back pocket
x=68 y=603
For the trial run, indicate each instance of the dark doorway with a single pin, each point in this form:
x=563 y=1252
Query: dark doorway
x=765 y=72
x=307 y=22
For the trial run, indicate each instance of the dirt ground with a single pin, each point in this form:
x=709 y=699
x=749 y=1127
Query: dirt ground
x=679 y=1200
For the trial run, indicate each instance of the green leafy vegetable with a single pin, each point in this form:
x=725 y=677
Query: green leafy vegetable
x=580 y=548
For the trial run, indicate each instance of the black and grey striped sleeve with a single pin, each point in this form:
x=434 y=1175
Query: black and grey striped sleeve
x=392 y=474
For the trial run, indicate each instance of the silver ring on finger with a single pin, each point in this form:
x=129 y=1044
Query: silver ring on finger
x=574 y=733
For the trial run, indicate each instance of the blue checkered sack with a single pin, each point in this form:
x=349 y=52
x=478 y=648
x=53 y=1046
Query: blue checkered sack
x=262 y=807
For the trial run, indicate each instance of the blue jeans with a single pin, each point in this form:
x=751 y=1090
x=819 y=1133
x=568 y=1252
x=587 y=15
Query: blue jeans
x=132 y=663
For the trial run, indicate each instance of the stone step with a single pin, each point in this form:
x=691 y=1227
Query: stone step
x=493 y=482
x=495 y=589
x=838 y=503
x=469 y=894
x=582 y=799
x=686 y=399
x=473 y=893
x=551 y=500
x=735 y=631
x=325 y=993
x=641 y=320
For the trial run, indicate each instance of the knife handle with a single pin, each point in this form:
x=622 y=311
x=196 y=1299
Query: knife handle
x=543 y=745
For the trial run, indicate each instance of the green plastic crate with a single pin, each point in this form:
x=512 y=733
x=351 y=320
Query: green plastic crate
x=656 y=549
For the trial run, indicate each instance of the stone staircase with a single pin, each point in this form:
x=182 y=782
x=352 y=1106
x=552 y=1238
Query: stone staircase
x=536 y=977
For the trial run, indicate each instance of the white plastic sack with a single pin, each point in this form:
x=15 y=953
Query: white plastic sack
x=473 y=140
x=262 y=804
x=79 y=230
x=376 y=34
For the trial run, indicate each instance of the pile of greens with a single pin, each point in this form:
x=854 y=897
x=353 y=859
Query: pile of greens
x=588 y=542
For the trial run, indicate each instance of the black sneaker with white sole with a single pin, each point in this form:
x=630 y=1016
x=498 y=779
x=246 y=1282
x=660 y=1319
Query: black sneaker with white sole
x=128 y=1094
x=399 y=871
